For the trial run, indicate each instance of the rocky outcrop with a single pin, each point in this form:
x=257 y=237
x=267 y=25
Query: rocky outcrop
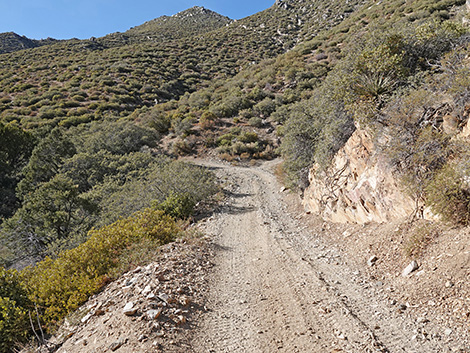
x=359 y=188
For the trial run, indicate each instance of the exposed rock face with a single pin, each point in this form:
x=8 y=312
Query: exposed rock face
x=360 y=188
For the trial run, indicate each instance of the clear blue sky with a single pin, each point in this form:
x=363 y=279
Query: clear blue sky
x=64 y=19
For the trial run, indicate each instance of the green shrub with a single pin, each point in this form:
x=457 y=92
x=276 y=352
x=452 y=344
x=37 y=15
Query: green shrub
x=449 y=195
x=265 y=107
x=247 y=137
x=207 y=120
x=225 y=140
x=14 y=303
x=184 y=125
x=14 y=325
x=255 y=121
x=315 y=131
x=11 y=287
x=159 y=121
x=59 y=286
x=178 y=206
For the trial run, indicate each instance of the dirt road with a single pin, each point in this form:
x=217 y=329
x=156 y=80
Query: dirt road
x=277 y=287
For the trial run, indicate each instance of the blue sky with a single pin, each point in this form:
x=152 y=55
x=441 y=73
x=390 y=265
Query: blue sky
x=64 y=19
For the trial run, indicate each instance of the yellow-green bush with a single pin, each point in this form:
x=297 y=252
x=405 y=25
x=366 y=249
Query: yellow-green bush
x=14 y=326
x=59 y=286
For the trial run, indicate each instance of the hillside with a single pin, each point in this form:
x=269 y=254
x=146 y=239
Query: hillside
x=367 y=103
x=127 y=71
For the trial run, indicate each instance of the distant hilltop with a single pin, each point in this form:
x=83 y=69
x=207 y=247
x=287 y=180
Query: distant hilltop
x=10 y=42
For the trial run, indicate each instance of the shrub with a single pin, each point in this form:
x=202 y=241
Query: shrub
x=118 y=137
x=183 y=126
x=225 y=140
x=207 y=120
x=248 y=137
x=59 y=286
x=265 y=107
x=178 y=206
x=315 y=131
x=182 y=147
x=14 y=327
x=418 y=156
x=255 y=121
x=420 y=236
x=449 y=195
x=378 y=70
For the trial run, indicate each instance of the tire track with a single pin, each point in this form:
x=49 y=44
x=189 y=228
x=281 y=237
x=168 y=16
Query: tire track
x=278 y=288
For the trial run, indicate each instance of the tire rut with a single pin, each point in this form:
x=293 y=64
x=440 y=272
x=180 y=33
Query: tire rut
x=277 y=287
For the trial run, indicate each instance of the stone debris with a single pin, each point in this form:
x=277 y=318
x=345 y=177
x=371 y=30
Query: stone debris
x=155 y=303
x=86 y=318
x=413 y=266
x=129 y=309
x=116 y=345
x=372 y=260
x=154 y=314
x=163 y=297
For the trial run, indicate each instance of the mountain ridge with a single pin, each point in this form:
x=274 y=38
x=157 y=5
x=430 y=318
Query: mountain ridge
x=200 y=20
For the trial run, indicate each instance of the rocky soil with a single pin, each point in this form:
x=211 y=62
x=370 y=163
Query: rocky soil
x=272 y=278
x=146 y=310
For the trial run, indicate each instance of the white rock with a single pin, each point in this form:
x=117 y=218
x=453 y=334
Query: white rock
x=164 y=297
x=127 y=289
x=154 y=314
x=448 y=332
x=129 y=309
x=147 y=290
x=151 y=296
x=86 y=317
x=413 y=266
x=420 y=273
